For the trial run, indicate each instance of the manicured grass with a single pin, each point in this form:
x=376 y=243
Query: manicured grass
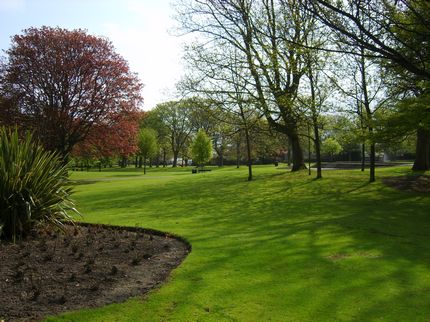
x=284 y=247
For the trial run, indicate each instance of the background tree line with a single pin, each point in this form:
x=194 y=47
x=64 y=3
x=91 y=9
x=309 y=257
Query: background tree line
x=269 y=80
x=294 y=63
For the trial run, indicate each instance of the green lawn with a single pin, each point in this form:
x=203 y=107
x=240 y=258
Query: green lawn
x=281 y=248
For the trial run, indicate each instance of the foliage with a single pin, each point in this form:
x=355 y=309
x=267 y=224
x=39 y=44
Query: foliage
x=152 y=119
x=175 y=115
x=250 y=50
x=345 y=130
x=32 y=186
x=398 y=30
x=65 y=82
x=201 y=148
x=114 y=137
x=147 y=142
x=409 y=115
x=331 y=147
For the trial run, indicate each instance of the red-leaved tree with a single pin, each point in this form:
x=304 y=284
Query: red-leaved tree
x=118 y=137
x=66 y=83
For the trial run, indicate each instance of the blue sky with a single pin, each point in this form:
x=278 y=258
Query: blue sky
x=139 y=30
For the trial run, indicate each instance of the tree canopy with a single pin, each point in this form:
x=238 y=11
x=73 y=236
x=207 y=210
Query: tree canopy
x=201 y=148
x=65 y=82
x=147 y=144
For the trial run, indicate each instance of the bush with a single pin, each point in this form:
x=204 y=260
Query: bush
x=201 y=148
x=32 y=186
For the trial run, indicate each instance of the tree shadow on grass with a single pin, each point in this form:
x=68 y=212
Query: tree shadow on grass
x=288 y=248
x=81 y=182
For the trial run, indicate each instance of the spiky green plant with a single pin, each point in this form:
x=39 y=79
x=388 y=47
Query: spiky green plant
x=33 y=186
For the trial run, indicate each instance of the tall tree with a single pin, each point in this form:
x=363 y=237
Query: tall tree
x=175 y=116
x=153 y=120
x=398 y=36
x=147 y=142
x=266 y=36
x=232 y=107
x=206 y=115
x=317 y=86
x=382 y=38
x=65 y=82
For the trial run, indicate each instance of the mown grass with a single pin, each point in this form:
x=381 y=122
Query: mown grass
x=284 y=247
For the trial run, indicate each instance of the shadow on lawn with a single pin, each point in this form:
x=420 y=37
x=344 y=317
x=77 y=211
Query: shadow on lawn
x=383 y=244
x=341 y=249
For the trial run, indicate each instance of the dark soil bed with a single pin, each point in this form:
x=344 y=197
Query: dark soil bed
x=416 y=183
x=87 y=266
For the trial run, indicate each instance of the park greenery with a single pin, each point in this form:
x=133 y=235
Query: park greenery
x=201 y=148
x=268 y=81
x=147 y=145
x=271 y=88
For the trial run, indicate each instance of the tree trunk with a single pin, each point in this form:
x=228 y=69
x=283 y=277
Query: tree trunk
x=290 y=148
x=372 y=162
x=144 y=165
x=298 y=160
x=317 y=150
x=315 y=124
x=422 y=157
x=248 y=153
x=175 y=158
x=221 y=157
x=369 y=114
x=237 y=154
x=123 y=162
x=363 y=156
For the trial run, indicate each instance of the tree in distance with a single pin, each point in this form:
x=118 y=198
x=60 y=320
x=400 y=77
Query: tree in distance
x=147 y=145
x=395 y=34
x=331 y=147
x=175 y=117
x=201 y=148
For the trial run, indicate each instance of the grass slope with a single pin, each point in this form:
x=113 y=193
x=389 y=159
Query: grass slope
x=281 y=248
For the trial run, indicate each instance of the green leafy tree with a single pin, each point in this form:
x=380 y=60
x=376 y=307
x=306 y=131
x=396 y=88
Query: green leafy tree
x=201 y=148
x=259 y=42
x=395 y=33
x=346 y=130
x=175 y=117
x=153 y=120
x=410 y=115
x=330 y=147
x=147 y=145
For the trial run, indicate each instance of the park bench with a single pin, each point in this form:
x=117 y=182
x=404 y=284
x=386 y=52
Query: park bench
x=199 y=170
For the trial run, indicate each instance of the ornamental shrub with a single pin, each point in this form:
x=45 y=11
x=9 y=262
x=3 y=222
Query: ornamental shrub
x=33 y=186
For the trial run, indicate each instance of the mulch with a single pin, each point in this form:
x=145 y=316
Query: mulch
x=84 y=267
x=412 y=183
